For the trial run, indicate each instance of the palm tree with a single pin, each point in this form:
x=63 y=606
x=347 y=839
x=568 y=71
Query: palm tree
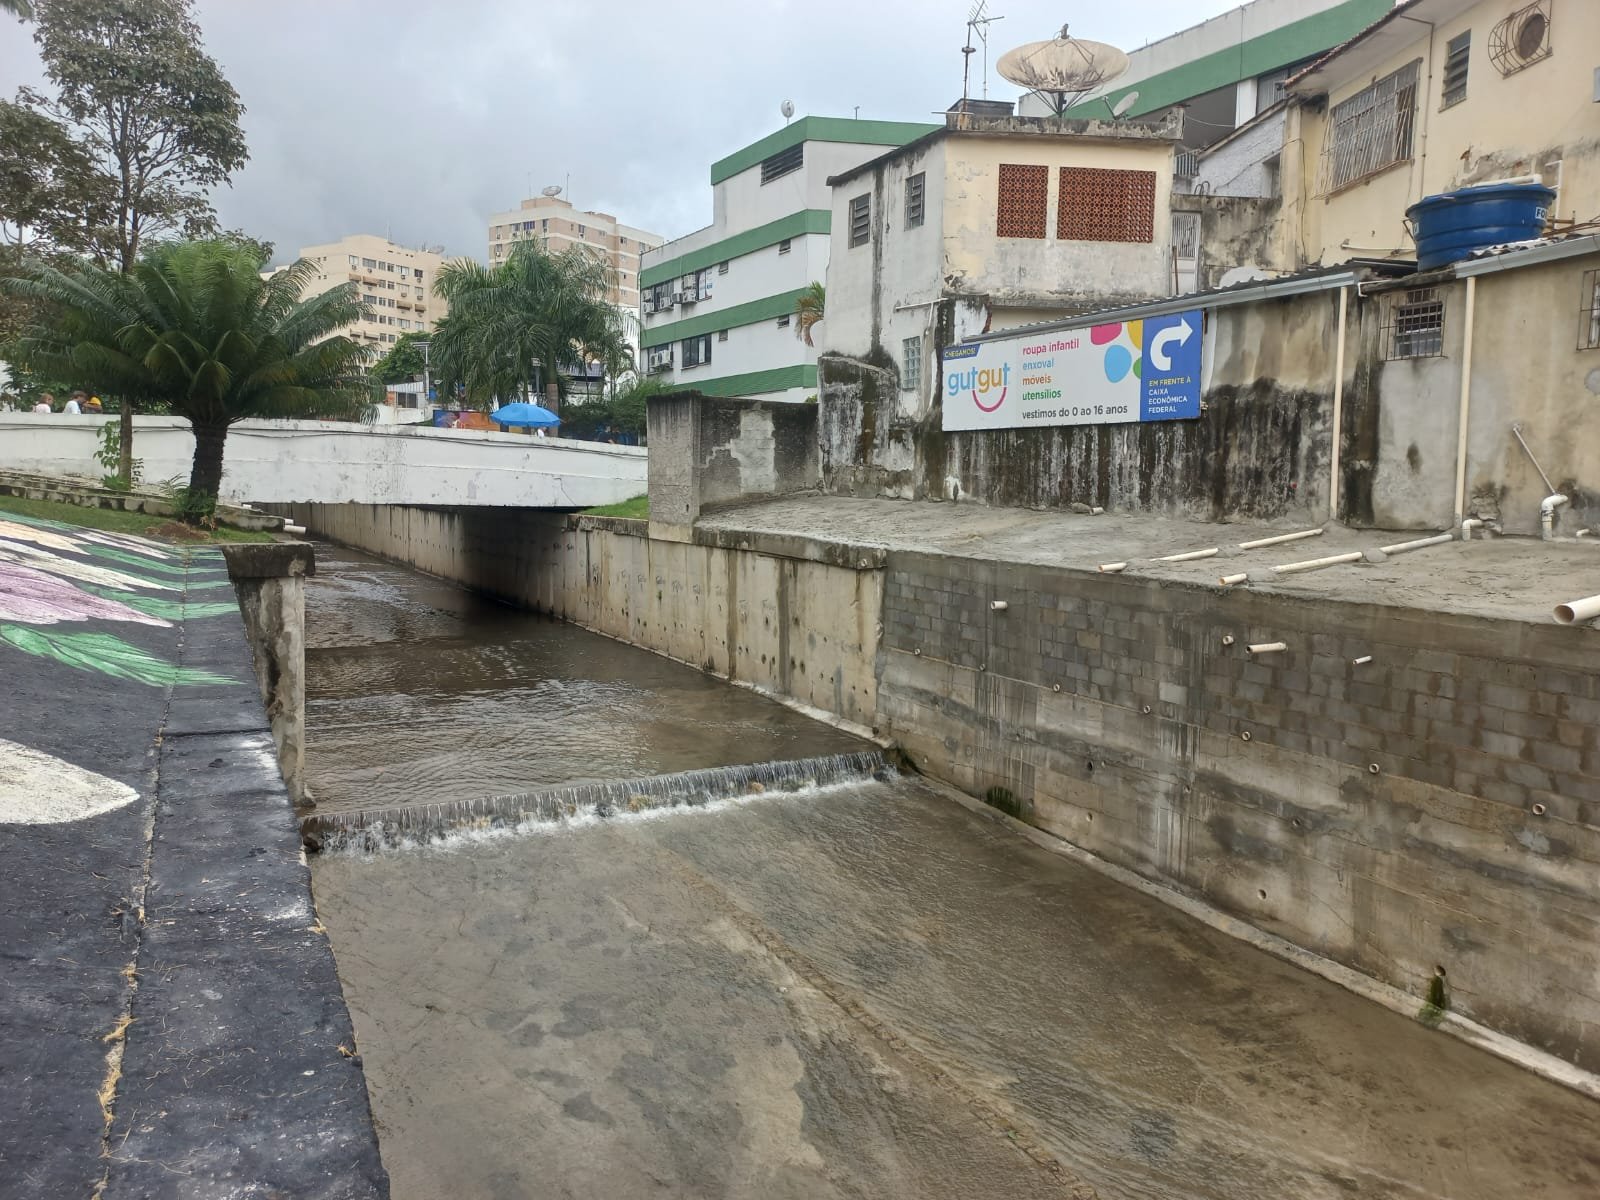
x=20 y=9
x=527 y=320
x=194 y=325
x=808 y=310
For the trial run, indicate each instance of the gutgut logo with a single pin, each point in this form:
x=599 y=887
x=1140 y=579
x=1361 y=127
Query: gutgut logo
x=988 y=385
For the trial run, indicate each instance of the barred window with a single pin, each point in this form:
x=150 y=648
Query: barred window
x=1099 y=205
x=916 y=186
x=1024 y=198
x=911 y=364
x=1589 y=312
x=1371 y=130
x=861 y=219
x=1415 y=327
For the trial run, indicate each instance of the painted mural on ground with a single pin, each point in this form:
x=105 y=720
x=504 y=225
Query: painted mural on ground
x=86 y=602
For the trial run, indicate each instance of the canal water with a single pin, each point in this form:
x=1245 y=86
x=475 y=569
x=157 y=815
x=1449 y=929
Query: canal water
x=854 y=989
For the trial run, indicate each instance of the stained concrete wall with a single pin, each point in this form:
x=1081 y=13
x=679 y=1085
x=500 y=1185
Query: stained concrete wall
x=797 y=619
x=711 y=451
x=269 y=579
x=1260 y=450
x=1382 y=815
x=1438 y=807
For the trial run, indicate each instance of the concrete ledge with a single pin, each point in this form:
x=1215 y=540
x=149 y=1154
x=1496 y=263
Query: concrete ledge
x=828 y=551
x=85 y=493
x=270 y=560
x=627 y=526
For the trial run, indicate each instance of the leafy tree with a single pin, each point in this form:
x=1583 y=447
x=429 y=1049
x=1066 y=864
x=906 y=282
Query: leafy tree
x=524 y=321
x=808 y=311
x=17 y=8
x=52 y=196
x=134 y=86
x=194 y=325
x=402 y=362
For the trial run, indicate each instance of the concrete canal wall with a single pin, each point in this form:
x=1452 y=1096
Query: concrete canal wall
x=1434 y=809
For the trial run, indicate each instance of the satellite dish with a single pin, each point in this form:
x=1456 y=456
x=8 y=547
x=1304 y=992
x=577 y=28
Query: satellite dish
x=1121 y=107
x=552 y=191
x=1063 y=70
x=787 y=109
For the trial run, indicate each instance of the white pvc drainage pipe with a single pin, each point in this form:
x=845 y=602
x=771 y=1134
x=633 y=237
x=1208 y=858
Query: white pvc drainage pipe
x=1574 y=611
x=1280 y=539
x=1316 y=564
x=1401 y=547
x=1547 y=514
x=1189 y=556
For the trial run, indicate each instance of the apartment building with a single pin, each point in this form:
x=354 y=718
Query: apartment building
x=718 y=304
x=1220 y=73
x=558 y=226
x=395 y=281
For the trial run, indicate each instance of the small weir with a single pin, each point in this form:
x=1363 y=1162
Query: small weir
x=372 y=829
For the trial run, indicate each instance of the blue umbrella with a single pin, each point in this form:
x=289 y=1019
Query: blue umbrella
x=525 y=415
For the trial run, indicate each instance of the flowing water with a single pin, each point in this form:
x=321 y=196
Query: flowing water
x=817 y=980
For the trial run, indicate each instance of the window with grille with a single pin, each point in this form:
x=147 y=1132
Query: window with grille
x=1416 y=324
x=784 y=162
x=1589 y=312
x=1372 y=130
x=1099 y=205
x=861 y=219
x=722 y=335
x=783 y=246
x=722 y=268
x=916 y=186
x=696 y=350
x=911 y=364
x=1457 y=51
x=783 y=321
x=1024 y=199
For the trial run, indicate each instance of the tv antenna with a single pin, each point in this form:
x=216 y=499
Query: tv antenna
x=787 y=109
x=978 y=22
x=1064 y=70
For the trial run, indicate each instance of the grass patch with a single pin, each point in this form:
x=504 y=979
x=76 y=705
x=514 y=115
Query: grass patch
x=113 y=520
x=638 y=507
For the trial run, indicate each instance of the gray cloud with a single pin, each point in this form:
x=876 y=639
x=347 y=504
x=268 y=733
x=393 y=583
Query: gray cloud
x=421 y=119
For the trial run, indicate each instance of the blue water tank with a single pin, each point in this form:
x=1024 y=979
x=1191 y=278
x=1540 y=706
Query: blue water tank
x=1452 y=226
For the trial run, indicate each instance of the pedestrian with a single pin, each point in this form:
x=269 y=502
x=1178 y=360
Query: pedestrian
x=8 y=403
x=93 y=405
x=74 y=404
x=47 y=403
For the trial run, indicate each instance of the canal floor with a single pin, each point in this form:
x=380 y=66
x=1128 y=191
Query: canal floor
x=859 y=991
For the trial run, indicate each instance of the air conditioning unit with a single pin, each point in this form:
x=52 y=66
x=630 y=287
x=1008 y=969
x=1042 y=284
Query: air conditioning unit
x=678 y=298
x=660 y=365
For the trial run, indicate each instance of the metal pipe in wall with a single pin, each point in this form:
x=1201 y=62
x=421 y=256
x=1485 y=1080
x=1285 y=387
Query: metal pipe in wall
x=1464 y=408
x=1338 y=408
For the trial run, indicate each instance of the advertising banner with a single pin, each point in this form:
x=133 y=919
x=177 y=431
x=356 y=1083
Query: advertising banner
x=1098 y=375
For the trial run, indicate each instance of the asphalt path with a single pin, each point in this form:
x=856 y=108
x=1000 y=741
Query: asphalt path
x=170 y=1019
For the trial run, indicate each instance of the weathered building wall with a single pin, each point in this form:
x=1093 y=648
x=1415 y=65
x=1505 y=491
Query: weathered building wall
x=1436 y=808
x=1235 y=232
x=1540 y=120
x=1108 y=710
x=1260 y=450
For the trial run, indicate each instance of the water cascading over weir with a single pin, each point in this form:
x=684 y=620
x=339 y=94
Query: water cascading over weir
x=402 y=826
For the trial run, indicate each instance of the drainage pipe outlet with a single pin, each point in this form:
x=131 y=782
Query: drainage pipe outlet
x=1189 y=555
x=1574 y=611
x=1547 y=514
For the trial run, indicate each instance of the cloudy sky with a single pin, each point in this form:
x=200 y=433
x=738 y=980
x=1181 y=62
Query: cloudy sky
x=419 y=119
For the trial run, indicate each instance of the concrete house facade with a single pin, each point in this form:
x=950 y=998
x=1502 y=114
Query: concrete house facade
x=718 y=304
x=1440 y=94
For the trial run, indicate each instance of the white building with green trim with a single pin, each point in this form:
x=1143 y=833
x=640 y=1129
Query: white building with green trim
x=718 y=304
x=1225 y=70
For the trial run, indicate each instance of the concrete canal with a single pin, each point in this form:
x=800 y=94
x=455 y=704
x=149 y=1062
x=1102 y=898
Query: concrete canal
x=858 y=989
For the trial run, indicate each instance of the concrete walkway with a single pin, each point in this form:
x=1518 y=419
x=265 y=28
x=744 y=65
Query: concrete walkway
x=170 y=1019
x=1505 y=578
